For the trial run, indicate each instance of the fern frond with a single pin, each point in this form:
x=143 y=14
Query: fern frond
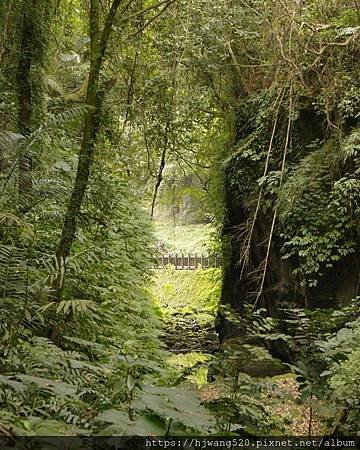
x=12 y=272
x=57 y=120
x=10 y=140
x=11 y=219
x=76 y=306
x=351 y=145
x=54 y=85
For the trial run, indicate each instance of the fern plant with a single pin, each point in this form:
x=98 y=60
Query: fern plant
x=319 y=211
x=108 y=331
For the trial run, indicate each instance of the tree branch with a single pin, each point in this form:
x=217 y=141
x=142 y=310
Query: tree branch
x=159 y=177
x=149 y=22
x=149 y=8
x=108 y=26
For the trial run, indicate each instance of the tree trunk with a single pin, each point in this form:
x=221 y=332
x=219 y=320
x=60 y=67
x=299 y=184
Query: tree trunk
x=25 y=94
x=35 y=22
x=6 y=26
x=94 y=97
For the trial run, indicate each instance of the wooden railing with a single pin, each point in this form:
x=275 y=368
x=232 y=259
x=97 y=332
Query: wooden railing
x=189 y=262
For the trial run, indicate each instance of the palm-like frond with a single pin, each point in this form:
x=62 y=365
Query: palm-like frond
x=76 y=306
x=10 y=141
x=13 y=220
x=58 y=119
x=13 y=148
x=12 y=272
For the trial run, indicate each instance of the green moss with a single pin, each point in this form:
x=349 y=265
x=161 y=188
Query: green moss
x=188 y=360
x=186 y=291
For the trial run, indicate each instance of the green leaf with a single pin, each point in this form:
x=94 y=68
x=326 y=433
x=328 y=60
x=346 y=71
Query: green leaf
x=58 y=387
x=16 y=385
x=40 y=427
x=148 y=425
x=114 y=416
x=176 y=404
x=130 y=382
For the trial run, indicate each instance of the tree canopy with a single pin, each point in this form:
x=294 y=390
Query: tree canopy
x=117 y=113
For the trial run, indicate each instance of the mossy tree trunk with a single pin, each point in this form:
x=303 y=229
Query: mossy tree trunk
x=25 y=94
x=35 y=22
x=94 y=97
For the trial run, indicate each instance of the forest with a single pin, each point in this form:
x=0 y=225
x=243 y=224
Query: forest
x=180 y=219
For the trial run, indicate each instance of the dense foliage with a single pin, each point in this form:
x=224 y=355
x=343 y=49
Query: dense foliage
x=240 y=114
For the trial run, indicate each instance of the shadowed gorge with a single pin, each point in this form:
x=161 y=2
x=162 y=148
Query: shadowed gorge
x=179 y=221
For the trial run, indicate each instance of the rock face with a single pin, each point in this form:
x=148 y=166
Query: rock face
x=337 y=287
x=187 y=335
x=180 y=198
x=285 y=283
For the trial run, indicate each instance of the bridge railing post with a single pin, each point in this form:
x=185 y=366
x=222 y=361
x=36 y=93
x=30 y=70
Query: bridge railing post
x=189 y=261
